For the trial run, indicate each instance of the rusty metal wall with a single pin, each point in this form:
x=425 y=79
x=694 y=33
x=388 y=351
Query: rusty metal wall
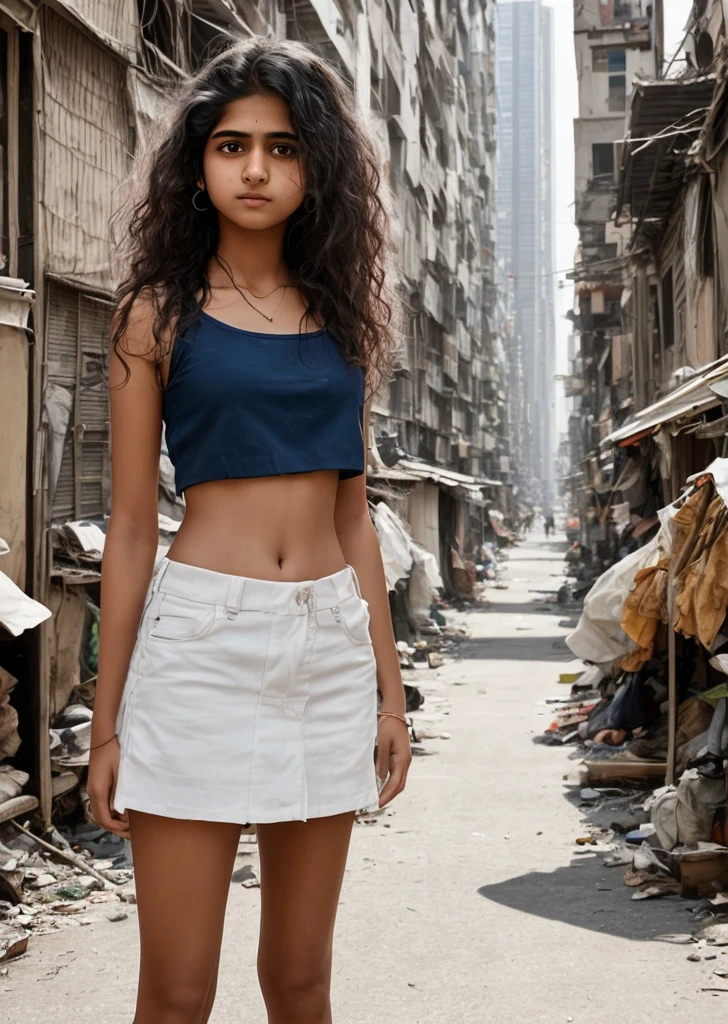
x=85 y=127
x=14 y=362
x=115 y=20
x=78 y=330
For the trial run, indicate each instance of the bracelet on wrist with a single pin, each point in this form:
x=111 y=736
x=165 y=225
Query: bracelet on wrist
x=393 y=714
x=96 y=747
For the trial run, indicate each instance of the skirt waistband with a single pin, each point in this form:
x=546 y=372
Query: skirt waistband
x=242 y=593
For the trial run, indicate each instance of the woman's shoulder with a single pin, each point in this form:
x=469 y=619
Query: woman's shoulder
x=136 y=325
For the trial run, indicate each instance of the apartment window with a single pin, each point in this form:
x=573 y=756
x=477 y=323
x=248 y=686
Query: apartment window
x=396 y=158
x=668 y=311
x=612 y=61
x=603 y=159
x=617 y=92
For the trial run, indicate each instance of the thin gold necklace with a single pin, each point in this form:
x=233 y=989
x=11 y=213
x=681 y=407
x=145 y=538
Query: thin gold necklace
x=228 y=271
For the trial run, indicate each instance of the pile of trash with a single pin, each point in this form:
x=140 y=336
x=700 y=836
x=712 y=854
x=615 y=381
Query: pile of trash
x=78 y=546
x=582 y=568
x=638 y=835
x=619 y=723
x=652 y=704
x=71 y=877
x=12 y=780
x=18 y=612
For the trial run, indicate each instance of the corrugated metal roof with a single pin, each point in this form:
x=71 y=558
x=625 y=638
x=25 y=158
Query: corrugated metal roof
x=447 y=477
x=391 y=473
x=665 y=119
x=694 y=397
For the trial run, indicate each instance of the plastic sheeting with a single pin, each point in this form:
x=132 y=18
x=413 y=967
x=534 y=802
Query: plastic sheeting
x=403 y=557
x=685 y=814
x=394 y=542
x=19 y=612
x=425 y=581
x=599 y=637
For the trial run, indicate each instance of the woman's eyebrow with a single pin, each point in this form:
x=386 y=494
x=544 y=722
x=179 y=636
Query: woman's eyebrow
x=231 y=133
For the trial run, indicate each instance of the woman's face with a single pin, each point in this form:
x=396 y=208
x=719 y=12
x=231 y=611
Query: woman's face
x=251 y=164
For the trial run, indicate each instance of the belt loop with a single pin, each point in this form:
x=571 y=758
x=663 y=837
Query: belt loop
x=355 y=580
x=234 y=598
x=158 y=574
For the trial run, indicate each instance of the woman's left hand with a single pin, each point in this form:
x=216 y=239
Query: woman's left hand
x=394 y=756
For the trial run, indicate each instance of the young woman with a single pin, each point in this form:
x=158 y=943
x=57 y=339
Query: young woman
x=240 y=683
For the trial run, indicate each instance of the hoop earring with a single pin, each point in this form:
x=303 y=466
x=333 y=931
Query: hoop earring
x=200 y=209
x=309 y=204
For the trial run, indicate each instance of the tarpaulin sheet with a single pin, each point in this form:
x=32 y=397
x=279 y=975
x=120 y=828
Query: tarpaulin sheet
x=599 y=637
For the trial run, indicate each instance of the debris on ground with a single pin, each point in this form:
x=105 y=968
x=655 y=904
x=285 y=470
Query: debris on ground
x=46 y=887
x=650 y=704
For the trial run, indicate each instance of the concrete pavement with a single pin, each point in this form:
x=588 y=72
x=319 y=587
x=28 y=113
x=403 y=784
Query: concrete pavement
x=465 y=904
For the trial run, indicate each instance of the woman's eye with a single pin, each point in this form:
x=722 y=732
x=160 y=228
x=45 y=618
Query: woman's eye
x=284 y=150
x=230 y=147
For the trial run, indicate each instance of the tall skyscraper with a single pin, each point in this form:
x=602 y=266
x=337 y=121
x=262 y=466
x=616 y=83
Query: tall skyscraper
x=525 y=219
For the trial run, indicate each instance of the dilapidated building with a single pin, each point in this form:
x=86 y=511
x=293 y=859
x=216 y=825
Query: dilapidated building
x=649 y=383
x=432 y=105
x=618 y=43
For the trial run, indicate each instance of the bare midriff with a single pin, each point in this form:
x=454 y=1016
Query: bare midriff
x=269 y=528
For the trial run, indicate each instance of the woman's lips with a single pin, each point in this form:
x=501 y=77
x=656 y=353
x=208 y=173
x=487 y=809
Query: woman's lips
x=253 y=201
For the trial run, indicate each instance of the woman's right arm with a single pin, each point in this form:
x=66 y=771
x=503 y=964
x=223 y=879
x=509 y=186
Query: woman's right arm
x=130 y=548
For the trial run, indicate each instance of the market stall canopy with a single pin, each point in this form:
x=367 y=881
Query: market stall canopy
x=692 y=398
x=446 y=477
x=379 y=470
x=665 y=119
x=383 y=472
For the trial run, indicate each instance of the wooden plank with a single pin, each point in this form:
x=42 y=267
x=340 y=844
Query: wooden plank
x=13 y=150
x=14 y=455
x=43 y=700
x=704 y=873
x=629 y=771
x=671 y=679
x=17 y=806
x=78 y=425
x=678 y=562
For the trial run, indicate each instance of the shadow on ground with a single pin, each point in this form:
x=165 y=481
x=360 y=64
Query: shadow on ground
x=516 y=648
x=585 y=893
x=501 y=607
x=588 y=895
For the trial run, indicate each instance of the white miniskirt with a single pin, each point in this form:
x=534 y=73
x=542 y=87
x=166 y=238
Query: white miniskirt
x=249 y=701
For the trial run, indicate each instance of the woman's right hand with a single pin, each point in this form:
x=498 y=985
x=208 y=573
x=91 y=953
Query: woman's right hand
x=103 y=771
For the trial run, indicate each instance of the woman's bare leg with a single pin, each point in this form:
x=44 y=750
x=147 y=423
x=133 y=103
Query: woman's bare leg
x=182 y=871
x=301 y=871
x=211 y=992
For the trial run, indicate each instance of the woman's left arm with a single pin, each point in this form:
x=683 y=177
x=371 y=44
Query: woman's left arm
x=360 y=545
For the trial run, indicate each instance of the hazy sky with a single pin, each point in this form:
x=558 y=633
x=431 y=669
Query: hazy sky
x=566 y=103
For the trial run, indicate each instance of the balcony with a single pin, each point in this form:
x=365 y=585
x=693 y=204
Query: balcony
x=573 y=387
x=634 y=17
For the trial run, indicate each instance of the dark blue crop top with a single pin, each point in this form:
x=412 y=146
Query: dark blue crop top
x=241 y=404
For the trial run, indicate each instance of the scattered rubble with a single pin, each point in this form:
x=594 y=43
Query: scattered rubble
x=46 y=887
x=647 y=714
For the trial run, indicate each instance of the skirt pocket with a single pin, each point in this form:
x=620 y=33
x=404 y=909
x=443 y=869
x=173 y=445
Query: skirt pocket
x=179 y=618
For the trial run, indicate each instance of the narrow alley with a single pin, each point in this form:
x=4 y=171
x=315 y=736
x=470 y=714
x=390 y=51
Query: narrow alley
x=467 y=902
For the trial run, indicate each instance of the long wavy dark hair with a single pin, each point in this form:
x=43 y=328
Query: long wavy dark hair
x=337 y=243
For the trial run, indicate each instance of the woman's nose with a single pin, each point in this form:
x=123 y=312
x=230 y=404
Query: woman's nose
x=254 y=168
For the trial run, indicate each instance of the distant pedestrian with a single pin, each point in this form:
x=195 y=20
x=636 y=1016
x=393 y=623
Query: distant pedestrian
x=549 y=525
